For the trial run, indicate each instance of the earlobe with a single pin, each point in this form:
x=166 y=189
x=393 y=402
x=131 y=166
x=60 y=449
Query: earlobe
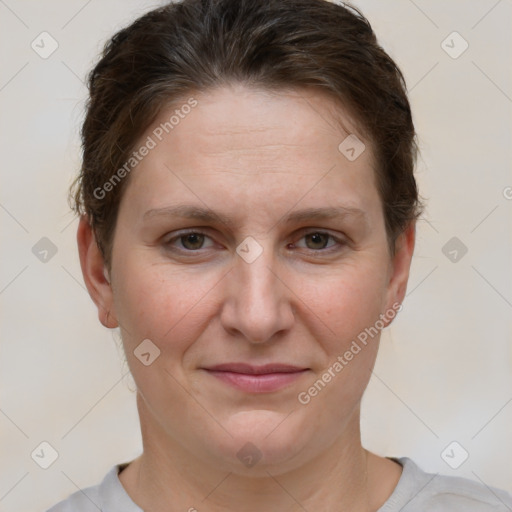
x=95 y=274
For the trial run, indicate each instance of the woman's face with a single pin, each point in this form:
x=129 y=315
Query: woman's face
x=285 y=264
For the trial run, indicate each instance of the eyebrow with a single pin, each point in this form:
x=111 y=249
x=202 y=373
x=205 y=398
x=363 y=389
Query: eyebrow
x=325 y=213
x=188 y=212
x=209 y=216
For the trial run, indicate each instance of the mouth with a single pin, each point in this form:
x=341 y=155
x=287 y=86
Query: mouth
x=256 y=379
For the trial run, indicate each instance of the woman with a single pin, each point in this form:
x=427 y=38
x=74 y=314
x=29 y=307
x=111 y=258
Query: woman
x=248 y=212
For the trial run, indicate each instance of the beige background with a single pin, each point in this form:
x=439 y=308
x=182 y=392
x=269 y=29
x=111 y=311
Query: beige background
x=445 y=369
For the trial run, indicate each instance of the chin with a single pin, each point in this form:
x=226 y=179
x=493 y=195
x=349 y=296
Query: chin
x=263 y=441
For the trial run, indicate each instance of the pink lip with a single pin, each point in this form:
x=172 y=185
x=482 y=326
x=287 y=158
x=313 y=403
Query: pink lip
x=256 y=379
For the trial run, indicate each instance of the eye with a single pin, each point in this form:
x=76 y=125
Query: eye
x=190 y=241
x=319 y=240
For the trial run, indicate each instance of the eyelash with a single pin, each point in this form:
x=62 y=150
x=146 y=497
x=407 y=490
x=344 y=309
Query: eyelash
x=339 y=242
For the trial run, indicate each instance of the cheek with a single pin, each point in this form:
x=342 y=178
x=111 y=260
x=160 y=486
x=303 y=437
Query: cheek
x=349 y=305
x=346 y=301
x=169 y=307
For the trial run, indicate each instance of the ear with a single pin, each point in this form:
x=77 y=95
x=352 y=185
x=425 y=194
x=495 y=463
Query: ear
x=95 y=273
x=400 y=265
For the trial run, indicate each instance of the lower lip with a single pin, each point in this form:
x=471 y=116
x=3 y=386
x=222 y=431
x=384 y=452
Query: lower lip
x=265 y=383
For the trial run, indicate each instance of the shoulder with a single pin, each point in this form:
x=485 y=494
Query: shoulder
x=418 y=490
x=84 y=500
x=463 y=494
x=107 y=496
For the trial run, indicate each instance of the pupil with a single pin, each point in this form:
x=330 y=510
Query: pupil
x=193 y=241
x=318 y=238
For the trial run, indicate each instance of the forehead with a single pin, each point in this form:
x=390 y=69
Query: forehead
x=248 y=145
x=233 y=115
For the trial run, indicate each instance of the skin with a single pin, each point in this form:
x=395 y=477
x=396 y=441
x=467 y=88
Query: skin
x=254 y=157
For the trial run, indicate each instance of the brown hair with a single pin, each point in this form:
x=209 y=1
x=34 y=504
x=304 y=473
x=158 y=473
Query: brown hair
x=195 y=45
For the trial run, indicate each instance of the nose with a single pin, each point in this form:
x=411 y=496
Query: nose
x=258 y=305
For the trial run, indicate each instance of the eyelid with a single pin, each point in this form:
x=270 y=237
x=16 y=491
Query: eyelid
x=167 y=241
x=340 y=241
x=323 y=231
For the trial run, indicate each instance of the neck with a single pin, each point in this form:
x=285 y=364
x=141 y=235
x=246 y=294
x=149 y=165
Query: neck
x=166 y=477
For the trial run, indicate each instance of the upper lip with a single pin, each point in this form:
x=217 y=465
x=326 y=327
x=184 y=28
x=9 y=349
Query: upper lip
x=255 y=370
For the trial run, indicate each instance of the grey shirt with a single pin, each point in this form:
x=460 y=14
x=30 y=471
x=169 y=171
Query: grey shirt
x=416 y=491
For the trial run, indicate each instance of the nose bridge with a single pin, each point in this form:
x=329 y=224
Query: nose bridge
x=257 y=305
x=258 y=282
